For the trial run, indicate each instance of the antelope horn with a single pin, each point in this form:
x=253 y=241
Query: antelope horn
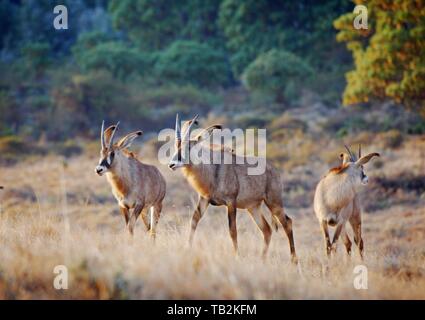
x=178 y=130
x=360 y=150
x=111 y=140
x=350 y=153
x=187 y=133
x=102 y=135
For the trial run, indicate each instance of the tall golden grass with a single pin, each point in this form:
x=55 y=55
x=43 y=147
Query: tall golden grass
x=56 y=213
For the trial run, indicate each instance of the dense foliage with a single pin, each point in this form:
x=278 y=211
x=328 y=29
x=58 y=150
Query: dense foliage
x=277 y=72
x=389 y=57
x=252 y=27
x=190 y=62
x=145 y=59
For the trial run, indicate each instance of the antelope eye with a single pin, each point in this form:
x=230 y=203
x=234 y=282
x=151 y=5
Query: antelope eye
x=112 y=153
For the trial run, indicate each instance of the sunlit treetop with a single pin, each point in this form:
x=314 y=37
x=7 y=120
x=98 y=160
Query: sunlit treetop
x=389 y=57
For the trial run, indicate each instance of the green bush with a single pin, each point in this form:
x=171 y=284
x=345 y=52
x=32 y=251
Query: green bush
x=190 y=62
x=83 y=101
x=88 y=41
x=115 y=57
x=278 y=73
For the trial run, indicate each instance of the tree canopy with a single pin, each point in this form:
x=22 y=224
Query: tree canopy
x=389 y=57
x=276 y=71
x=148 y=57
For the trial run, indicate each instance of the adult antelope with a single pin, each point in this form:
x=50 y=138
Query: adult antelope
x=229 y=185
x=137 y=187
x=336 y=200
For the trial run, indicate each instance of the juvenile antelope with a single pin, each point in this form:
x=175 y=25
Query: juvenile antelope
x=229 y=185
x=336 y=200
x=137 y=187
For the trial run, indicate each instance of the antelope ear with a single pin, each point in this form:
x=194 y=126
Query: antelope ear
x=108 y=133
x=127 y=140
x=344 y=157
x=365 y=159
x=208 y=131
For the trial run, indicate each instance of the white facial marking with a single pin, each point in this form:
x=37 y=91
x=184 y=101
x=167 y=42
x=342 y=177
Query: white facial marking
x=100 y=170
x=173 y=165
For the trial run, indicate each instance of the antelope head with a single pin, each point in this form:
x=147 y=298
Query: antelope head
x=356 y=163
x=110 y=152
x=183 y=142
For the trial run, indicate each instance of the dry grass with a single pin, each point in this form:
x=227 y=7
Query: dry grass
x=54 y=213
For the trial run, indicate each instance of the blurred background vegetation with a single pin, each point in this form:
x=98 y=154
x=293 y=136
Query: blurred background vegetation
x=140 y=61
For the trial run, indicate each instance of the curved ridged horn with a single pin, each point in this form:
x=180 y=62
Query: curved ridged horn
x=178 y=133
x=360 y=150
x=350 y=153
x=102 y=135
x=111 y=140
x=187 y=133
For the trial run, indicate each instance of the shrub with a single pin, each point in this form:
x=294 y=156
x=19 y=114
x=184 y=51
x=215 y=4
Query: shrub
x=84 y=100
x=278 y=73
x=190 y=62
x=115 y=57
x=88 y=41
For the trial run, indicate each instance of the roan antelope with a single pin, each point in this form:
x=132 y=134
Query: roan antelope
x=136 y=186
x=229 y=185
x=336 y=200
